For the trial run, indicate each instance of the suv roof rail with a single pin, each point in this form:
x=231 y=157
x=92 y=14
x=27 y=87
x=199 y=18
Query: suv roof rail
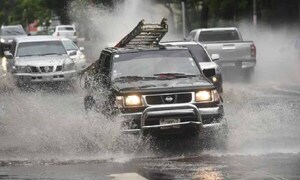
x=145 y=34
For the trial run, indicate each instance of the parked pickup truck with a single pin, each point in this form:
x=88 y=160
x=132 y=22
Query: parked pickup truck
x=235 y=54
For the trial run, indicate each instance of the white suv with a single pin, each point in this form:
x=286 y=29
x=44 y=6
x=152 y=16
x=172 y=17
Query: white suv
x=67 y=31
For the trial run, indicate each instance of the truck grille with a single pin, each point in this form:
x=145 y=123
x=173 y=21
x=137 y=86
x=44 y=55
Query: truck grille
x=169 y=98
x=44 y=69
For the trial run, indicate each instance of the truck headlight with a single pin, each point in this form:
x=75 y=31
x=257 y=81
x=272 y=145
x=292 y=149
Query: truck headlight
x=69 y=67
x=133 y=100
x=22 y=69
x=203 y=96
x=207 y=96
x=2 y=40
x=82 y=57
x=214 y=79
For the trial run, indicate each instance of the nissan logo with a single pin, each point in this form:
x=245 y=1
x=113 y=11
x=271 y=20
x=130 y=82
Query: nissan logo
x=47 y=69
x=169 y=99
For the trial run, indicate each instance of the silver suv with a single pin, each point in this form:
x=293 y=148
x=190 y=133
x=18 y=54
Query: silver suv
x=35 y=59
x=7 y=33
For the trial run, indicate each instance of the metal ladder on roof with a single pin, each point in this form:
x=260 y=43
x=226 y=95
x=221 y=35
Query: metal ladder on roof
x=145 y=35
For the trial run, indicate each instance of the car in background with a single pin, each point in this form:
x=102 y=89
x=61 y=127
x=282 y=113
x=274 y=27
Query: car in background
x=236 y=55
x=67 y=31
x=35 y=59
x=7 y=33
x=209 y=68
x=78 y=57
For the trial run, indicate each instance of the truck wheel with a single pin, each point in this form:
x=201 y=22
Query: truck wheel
x=89 y=103
x=248 y=74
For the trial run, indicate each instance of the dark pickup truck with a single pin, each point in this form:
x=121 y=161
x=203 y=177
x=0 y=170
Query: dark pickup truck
x=158 y=91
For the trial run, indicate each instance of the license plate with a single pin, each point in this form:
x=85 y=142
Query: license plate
x=169 y=121
x=47 y=78
x=228 y=64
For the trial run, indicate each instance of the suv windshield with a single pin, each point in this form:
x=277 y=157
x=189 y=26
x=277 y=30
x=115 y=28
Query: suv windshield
x=226 y=35
x=40 y=48
x=12 y=31
x=153 y=63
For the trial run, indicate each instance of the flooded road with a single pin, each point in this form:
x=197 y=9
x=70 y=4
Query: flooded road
x=48 y=135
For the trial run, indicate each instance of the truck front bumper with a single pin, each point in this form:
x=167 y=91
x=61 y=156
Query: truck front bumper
x=45 y=77
x=196 y=122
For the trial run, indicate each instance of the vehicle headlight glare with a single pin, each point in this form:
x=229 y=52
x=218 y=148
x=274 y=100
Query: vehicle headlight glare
x=214 y=79
x=2 y=40
x=133 y=100
x=202 y=96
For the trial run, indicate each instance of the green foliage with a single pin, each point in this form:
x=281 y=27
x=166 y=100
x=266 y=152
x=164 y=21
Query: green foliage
x=23 y=11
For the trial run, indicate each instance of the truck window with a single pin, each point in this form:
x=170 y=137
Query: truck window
x=224 y=35
x=199 y=53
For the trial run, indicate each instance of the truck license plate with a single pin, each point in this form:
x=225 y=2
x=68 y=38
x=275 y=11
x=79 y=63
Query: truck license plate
x=169 y=121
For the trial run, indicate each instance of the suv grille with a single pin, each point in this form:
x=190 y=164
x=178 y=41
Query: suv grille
x=169 y=99
x=46 y=69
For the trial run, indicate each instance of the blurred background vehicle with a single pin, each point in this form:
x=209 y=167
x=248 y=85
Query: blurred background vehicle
x=67 y=31
x=36 y=59
x=7 y=33
x=235 y=53
x=209 y=68
x=78 y=57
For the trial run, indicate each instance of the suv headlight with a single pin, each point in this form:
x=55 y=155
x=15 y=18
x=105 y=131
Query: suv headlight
x=133 y=100
x=130 y=100
x=69 y=65
x=207 y=96
x=82 y=57
x=22 y=69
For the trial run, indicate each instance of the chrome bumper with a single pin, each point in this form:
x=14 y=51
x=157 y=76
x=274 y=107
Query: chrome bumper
x=174 y=109
x=46 y=77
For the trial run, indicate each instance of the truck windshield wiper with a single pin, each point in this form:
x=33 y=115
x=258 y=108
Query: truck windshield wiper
x=48 y=54
x=175 y=75
x=122 y=78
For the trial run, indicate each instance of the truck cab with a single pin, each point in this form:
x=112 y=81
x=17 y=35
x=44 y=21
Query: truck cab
x=158 y=91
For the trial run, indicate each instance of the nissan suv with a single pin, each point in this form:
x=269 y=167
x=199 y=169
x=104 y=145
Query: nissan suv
x=157 y=91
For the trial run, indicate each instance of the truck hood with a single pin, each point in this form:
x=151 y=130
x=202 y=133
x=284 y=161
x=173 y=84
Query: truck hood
x=9 y=39
x=53 y=60
x=189 y=83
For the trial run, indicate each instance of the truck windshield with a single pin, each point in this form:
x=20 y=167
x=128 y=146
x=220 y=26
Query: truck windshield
x=224 y=35
x=40 y=48
x=151 y=63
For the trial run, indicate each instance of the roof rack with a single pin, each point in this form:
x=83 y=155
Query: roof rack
x=145 y=35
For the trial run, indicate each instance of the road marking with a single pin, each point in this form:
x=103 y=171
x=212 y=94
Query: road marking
x=128 y=176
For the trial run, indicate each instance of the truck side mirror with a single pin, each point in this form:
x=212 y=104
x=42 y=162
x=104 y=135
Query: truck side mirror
x=215 y=57
x=8 y=55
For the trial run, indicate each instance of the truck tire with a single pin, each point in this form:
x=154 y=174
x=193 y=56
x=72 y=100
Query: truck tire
x=248 y=74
